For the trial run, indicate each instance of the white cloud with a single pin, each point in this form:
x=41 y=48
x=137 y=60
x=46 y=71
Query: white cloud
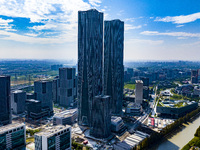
x=44 y=27
x=32 y=38
x=130 y=19
x=42 y=10
x=58 y=16
x=5 y=24
x=120 y=13
x=178 y=26
x=130 y=27
x=175 y=34
x=182 y=38
x=180 y=19
x=95 y=2
x=143 y=41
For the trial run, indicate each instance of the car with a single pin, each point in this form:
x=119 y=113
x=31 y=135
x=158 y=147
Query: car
x=85 y=142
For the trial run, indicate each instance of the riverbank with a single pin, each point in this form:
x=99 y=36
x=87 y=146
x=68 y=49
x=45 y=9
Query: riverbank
x=176 y=139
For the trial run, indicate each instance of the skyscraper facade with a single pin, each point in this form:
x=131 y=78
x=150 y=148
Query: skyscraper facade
x=194 y=76
x=67 y=86
x=101 y=117
x=18 y=99
x=43 y=93
x=90 y=52
x=55 y=86
x=139 y=92
x=5 y=102
x=113 y=63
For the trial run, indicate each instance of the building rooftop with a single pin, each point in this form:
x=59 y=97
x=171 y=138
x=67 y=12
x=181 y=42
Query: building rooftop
x=50 y=131
x=133 y=105
x=113 y=20
x=10 y=127
x=175 y=103
x=138 y=81
x=33 y=100
x=115 y=119
x=42 y=81
x=18 y=91
x=66 y=113
x=4 y=76
x=65 y=68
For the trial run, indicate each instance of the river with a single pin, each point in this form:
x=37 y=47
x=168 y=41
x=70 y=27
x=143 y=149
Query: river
x=180 y=139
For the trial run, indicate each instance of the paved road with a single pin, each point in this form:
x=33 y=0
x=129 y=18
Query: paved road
x=142 y=119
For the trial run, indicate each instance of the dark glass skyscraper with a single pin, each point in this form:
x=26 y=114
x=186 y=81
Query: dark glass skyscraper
x=101 y=117
x=113 y=63
x=43 y=93
x=5 y=102
x=67 y=86
x=90 y=52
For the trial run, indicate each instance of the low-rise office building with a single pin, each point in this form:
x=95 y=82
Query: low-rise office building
x=12 y=136
x=54 y=138
x=133 y=109
x=65 y=117
x=117 y=124
x=18 y=99
x=35 y=111
x=30 y=96
x=197 y=90
x=175 y=109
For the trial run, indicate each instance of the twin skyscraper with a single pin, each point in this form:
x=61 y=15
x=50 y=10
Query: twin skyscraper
x=100 y=63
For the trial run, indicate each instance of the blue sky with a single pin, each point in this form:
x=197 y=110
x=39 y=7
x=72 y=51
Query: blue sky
x=47 y=29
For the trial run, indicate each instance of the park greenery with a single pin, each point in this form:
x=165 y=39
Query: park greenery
x=129 y=86
x=78 y=146
x=32 y=131
x=155 y=137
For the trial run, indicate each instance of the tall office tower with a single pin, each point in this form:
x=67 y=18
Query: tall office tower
x=54 y=138
x=194 y=76
x=139 y=92
x=5 y=102
x=13 y=136
x=55 y=85
x=130 y=71
x=18 y=99
x=43 y=93
x=67 y=86
x=90 y=55
x=145 y=87
x=113 y=63
x=145 y=81
x=101 y=117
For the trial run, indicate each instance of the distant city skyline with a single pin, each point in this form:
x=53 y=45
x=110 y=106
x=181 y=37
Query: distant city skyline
x=154 y=30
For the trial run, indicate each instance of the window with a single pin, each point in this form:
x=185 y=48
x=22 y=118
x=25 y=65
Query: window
x=43 y=87
x=69 y=92
x=69 y=74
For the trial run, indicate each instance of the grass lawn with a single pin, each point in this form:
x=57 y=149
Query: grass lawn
x=30 y=139
x=176 y=97
x=129 y=86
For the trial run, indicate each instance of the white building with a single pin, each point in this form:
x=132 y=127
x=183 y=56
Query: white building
x=139 y=92
x=57 y=138
x=197 y=90
x=116 y=124
x=133 y=109
x=65 y=117
x=13 y=136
